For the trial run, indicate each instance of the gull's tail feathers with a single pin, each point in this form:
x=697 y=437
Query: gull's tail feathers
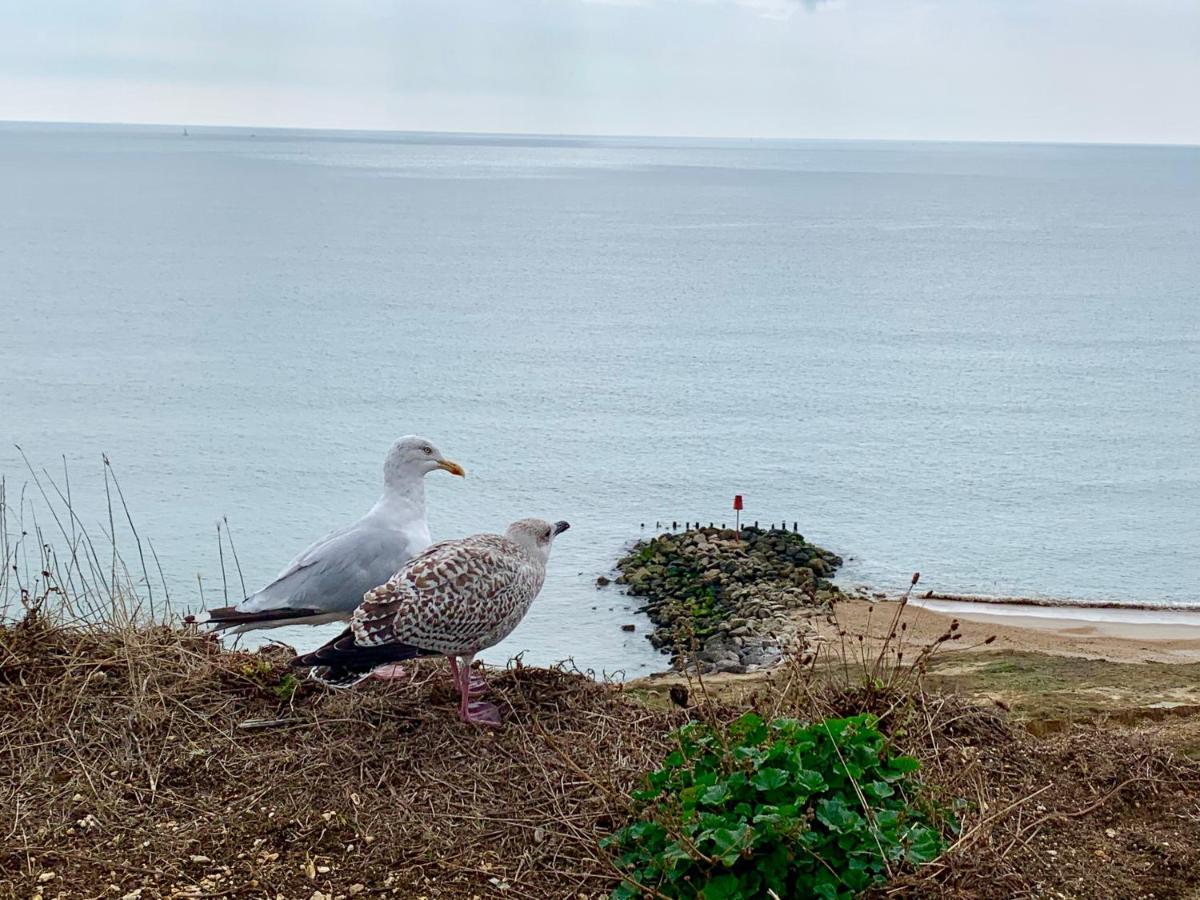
x=236 y=621
x=342 y=663
x=339 y=677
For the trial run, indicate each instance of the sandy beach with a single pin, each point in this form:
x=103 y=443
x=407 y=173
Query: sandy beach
x=1111 y=633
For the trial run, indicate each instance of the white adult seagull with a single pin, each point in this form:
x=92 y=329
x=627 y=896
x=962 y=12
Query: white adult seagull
x=327 y=581
x=454 y=600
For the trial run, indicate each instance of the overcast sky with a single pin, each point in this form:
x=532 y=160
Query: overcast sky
x=1068 y=70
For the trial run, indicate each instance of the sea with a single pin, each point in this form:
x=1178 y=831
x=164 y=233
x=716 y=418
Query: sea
x=979 y=361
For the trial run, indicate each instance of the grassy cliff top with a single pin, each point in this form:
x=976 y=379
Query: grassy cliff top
x=153 y=760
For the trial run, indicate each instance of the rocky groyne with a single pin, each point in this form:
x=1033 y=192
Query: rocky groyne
x=738 y=598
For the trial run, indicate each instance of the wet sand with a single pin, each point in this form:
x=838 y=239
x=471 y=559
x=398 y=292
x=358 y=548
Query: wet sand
x=1110 y=633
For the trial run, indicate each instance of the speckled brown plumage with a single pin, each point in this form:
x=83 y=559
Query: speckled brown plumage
x=456 y=598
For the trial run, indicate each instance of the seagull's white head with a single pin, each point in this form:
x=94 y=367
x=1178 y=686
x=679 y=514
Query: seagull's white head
x=536 y=535
x=412 y=458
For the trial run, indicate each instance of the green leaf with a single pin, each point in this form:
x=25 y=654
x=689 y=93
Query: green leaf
x=715 y=795
x=767 y=824
x=924 y=844
x=723 y=887
x=754 y=755
x=842 y=814
x=887 y=821
x=825 y=885
x=813 y=839
x=644 y=831
x=899 y=766
x=878 y=790
x=769 y=779
x=854 y=771
x=710 y=821
x=728 y=844
x=810 y=781
x=688 y=797
x=749 y=728
x=857 y=879
x=659 y=779
x=676 y=853
x=835 y=814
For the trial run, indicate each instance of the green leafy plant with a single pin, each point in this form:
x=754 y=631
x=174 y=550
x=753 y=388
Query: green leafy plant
x=802 y=810
x=287 y=686
x=266 y=675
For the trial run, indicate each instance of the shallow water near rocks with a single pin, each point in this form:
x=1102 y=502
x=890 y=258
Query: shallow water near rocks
x=979 y=361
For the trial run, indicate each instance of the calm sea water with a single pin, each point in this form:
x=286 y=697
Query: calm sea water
x=980 y=361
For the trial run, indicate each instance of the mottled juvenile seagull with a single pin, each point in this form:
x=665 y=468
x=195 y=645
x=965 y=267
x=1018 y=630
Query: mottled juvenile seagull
x=454 y=600
x=327 y=581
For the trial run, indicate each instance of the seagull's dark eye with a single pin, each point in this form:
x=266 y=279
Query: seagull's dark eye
x=428 y=451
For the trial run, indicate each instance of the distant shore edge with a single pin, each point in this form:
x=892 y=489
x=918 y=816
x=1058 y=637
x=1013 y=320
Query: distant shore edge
x=1064 y=603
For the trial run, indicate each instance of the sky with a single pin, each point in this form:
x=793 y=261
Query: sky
x=1125 y=71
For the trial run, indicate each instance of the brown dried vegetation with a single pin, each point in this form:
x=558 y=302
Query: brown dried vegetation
x=140 y=761
x=154 y=759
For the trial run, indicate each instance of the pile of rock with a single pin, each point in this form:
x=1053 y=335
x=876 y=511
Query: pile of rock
x=738 y=598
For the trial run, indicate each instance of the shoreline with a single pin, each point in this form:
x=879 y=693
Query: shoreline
x=1055 y=602
x=1133 y=622
x=1117 y=634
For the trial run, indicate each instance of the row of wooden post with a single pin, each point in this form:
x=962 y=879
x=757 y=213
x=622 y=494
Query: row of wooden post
x=688 y=526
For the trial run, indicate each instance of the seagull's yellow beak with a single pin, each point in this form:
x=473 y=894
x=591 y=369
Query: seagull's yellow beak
x=452 y=467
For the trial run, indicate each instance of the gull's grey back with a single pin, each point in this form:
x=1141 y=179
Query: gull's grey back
x=335 y=572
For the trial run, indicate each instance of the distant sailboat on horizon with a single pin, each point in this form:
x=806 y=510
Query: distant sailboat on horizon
x=185 y=134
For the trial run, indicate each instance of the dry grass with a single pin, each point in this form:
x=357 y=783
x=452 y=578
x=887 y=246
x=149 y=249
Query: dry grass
x=153 y=759
x=1098 y=811
x=1095 y=812
x=138 y=757
x=141 y=761
x=156 y=760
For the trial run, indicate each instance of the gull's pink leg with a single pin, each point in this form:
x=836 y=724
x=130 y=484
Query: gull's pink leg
x=476 y=684
x=475 y=712
x=390 y=672
x=455 y=674
x=480 y=712
x=463 y=701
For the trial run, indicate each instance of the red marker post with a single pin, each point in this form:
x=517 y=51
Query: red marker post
x=737 y=508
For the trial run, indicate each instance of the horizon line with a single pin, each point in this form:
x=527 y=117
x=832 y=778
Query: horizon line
x=598 y=135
